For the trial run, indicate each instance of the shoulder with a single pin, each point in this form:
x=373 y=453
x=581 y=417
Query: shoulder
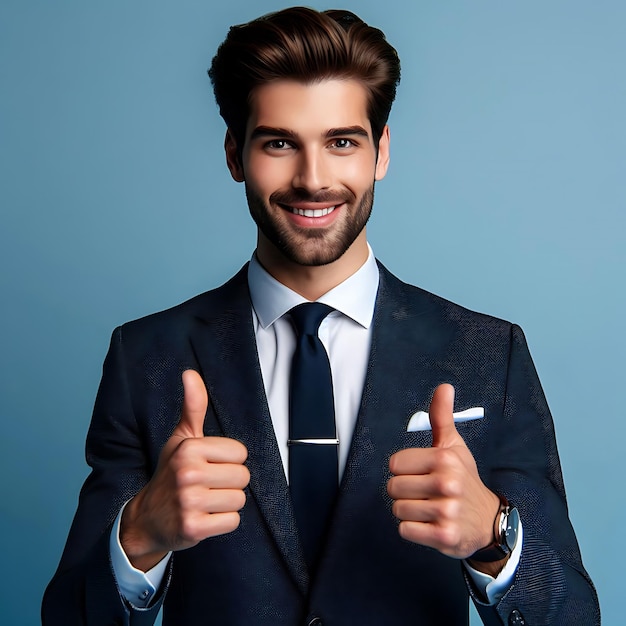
x=416 y=303
x=178 y=321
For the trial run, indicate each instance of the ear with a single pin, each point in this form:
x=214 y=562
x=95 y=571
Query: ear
x=233 y=161
x=382 y=162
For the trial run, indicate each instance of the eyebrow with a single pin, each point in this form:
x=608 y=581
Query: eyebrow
x=270 y=131
x=348 y=130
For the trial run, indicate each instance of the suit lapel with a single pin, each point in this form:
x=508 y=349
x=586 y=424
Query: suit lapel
x=225 y=348
x=392 y=393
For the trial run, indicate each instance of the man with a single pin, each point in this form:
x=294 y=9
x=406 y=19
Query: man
x=200 y=400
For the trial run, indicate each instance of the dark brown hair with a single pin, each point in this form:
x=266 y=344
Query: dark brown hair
x=304 y=45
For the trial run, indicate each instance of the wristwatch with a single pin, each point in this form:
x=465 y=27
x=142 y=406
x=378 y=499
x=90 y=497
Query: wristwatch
x=505 y=532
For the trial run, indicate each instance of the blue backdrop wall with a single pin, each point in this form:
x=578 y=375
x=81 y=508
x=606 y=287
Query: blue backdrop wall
x=506 y=194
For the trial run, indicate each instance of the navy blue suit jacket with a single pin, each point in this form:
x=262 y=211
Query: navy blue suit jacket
x=367 y=573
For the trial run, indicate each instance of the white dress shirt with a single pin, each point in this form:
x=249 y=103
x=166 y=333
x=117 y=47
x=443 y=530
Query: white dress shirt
x=346 y=334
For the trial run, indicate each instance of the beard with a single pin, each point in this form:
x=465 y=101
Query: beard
x=311 y=246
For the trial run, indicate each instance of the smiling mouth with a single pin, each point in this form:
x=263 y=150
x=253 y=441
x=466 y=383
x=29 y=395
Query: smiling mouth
x=310 y=212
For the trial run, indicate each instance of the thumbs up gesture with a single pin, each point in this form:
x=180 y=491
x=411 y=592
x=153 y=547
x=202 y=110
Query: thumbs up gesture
x=196 y=491
x=440 y=499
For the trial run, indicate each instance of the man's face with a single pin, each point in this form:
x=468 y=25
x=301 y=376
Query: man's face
x=309 y=164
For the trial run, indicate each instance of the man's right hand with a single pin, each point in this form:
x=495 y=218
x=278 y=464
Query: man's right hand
x=196 y=491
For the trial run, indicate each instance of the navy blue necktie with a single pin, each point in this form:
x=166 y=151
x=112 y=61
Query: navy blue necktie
x=313 y=473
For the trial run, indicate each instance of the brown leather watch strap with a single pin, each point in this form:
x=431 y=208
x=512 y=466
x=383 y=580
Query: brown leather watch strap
x=497 y=549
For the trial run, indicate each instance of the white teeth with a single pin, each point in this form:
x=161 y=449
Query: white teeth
x=313 y=212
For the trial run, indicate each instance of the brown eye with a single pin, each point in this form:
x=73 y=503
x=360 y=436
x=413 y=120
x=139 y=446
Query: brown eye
x=341 y=144
x=277 y=144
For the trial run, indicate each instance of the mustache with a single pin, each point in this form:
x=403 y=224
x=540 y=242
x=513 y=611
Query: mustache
x=292 y=196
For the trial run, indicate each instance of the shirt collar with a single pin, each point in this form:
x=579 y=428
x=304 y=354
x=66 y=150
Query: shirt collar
x=355 y=297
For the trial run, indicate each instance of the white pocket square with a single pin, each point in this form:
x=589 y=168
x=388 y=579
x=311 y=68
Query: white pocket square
x=421 y=421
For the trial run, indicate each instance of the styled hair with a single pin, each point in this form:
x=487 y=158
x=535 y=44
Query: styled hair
x=307 y=46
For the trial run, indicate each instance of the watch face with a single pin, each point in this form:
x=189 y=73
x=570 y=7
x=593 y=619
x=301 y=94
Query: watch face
x=511 y=524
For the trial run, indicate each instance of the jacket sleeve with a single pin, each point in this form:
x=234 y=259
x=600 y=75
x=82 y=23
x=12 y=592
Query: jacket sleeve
x=551 y=585
x=83 y=590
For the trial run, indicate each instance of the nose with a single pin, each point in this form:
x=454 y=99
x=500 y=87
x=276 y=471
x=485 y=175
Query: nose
x=312 y=172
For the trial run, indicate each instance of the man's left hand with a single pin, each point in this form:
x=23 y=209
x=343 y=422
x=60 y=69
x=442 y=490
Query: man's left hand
x=440 y=499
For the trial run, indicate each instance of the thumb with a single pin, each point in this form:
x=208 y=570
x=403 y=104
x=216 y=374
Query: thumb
x=441 y=418
x=195 y=404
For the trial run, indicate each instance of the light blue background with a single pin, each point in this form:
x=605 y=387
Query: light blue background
x=506 y=194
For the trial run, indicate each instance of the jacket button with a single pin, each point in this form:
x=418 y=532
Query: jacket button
x=316 y=621
x=516 y=619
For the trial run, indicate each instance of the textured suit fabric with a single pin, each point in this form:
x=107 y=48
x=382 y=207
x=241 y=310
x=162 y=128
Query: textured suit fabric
x=367 y=574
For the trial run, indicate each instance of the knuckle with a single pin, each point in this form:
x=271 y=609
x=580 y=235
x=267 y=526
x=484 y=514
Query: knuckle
x=452 y=487
x=189 y=529
x=189 y=500
x=185 y=476
x=458 y=488
x=444 y=458
x=449 y=509
x=447 y=535
x=447 y=484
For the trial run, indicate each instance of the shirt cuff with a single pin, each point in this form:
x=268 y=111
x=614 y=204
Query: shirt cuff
x=494 y=588
x=136 y=587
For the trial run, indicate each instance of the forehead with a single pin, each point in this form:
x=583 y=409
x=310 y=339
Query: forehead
x=309 y=107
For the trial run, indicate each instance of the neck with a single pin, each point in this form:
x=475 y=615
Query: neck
x=312 y=281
